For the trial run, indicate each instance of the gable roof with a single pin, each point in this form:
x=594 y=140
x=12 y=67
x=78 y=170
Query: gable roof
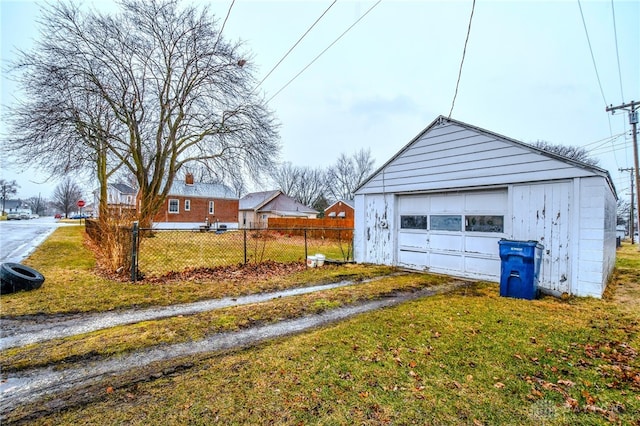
x=255 y=200
x=201 y=190
x=449 y=139
x=343 y=201
x=123 y=188
x=276 y=202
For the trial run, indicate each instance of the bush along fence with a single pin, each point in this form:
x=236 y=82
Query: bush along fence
x=157 y=252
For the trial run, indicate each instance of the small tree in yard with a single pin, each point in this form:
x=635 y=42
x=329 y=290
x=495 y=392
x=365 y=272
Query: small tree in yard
x=66 y=195
x=7 y=189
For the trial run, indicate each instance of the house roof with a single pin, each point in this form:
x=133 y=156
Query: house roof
x=201 y=190
x=276 y=202
x=255 y=200
x=445 y=120
x=124 y=188
x=347 y=202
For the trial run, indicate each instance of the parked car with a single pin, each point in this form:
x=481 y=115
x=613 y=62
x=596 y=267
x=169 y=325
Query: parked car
x=58 y=216
x=25 y=215
x=79 y=216
x=13 y=216
x=34 y=216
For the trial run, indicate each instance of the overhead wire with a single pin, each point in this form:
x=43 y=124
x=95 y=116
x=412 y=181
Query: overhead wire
x=296 y=43
x=224 y=22
x=323 y=52
x=464 y=52
x=593 y=59
x=615 y=35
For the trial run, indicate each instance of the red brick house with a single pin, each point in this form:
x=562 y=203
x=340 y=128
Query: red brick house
x=191 y=204
x=341 y=209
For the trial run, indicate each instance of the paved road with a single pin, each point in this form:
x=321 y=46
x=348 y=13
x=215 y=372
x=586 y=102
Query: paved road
x=18 y=238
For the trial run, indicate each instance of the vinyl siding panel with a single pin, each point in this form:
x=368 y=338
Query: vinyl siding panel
x=451 y=156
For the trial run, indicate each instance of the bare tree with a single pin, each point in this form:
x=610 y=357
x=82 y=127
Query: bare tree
x=66 y=195
x=304 y=184
x=348 y=173
x=573 y=152
x=7 y=189
x=152 y=88
x=286 y=177
x=37 y=204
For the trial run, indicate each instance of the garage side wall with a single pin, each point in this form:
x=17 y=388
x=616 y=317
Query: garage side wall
x=597 y=250
x=374 y=227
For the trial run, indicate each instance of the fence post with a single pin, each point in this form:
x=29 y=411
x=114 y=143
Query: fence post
x=134 y=252
x=245 y=245
x=305 y=245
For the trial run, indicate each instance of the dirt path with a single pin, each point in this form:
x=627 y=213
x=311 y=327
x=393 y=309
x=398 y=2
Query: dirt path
x=31 y=385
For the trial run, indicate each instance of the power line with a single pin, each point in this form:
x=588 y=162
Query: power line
x=464 y=51
x=224 y=23
x=297 y=42
x=322 y=53
x=615 y=34
x=593 y=59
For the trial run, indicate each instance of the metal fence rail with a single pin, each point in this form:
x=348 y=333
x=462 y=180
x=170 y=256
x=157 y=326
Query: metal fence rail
x=158 y=252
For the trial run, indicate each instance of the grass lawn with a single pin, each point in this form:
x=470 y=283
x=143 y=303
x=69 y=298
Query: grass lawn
x=467 y=357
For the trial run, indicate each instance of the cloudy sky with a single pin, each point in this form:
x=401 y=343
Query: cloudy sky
x=528 y=72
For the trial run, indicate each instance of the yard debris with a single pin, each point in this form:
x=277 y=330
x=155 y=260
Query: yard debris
x=234 y=273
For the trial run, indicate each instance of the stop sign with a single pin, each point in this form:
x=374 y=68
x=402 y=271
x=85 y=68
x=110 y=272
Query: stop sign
x=80 y=203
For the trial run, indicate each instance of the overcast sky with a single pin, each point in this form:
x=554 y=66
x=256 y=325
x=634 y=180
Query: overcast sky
x=528 y=73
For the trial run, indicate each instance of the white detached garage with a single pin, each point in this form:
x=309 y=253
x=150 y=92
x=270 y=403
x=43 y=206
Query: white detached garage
x=445 y=200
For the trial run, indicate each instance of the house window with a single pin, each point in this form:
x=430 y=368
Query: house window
x=264 y=217
x=413 y=222
x=450 y=222
x=174 y=206
x=187 y=205
x=478 y=223
x=211 y=207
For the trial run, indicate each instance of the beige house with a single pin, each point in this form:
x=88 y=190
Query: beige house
x=256 y=208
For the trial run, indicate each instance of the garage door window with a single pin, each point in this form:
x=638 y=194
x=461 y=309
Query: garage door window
x=446 y=223
x=484 y=223
x=413 y=222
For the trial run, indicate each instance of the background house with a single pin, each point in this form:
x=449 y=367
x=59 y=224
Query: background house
x=256 y=208
x=190 y=204
x=121 y=199
x=445 y=200
x=341 y=209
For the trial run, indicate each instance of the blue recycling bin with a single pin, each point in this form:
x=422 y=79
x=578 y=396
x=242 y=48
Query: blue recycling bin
x=520 y=268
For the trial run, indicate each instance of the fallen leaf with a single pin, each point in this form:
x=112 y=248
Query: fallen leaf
x=567 y=383
x=110 y=389
x=498 y=385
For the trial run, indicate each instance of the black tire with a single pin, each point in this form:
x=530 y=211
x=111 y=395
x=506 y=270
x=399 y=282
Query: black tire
x=16 y=277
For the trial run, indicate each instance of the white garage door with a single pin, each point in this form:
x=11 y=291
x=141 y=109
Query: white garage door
x=452 y=233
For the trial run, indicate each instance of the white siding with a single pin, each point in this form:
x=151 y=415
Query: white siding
x=373 y=242
x=451 y=156
x=542 y=212
x=596 y=237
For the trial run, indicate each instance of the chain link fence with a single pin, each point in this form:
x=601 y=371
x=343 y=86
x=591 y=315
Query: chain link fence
x=158 y=252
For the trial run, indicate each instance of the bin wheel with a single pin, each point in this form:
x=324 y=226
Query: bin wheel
x=17 y=277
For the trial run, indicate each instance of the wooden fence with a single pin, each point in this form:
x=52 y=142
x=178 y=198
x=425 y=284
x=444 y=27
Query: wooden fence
x=335 y=229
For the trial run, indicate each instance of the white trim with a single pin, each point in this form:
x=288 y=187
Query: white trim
x=187 y=205
x=212 y=207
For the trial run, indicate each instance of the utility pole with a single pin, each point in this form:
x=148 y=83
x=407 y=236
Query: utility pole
x=633 y=120
x=631 y=215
